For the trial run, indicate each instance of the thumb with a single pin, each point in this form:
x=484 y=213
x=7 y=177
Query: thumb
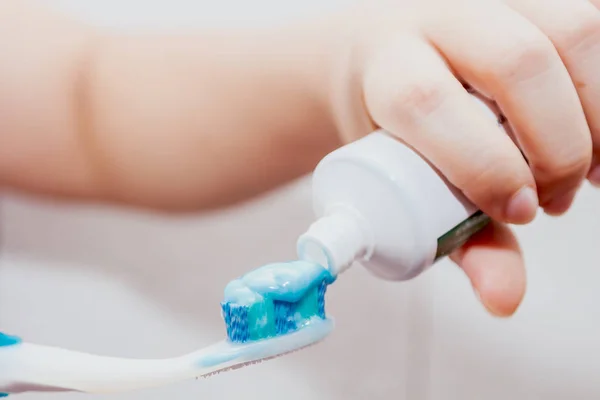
x=494 y=264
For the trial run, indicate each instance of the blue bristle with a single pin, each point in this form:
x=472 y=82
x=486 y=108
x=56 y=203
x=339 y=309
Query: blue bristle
x=236 y=321
x=321 y=299
x=284 y=317
x=226 y=309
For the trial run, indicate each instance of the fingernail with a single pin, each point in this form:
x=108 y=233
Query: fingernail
x=523 y=206
x=594 y=176
x=559 y=205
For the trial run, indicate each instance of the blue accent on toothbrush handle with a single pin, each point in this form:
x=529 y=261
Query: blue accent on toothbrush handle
x=7 y=340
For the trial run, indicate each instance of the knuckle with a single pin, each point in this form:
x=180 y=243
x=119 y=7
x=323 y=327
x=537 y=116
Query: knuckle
x=494 y=180
x=583 y=36
x=569 y=165
x=523 y=60
x=418 y=100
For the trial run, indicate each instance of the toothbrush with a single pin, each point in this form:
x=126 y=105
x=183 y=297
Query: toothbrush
x=271 y=311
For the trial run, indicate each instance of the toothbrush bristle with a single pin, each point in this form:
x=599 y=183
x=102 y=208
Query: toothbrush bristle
x=284 y=317
x=272 y=318
x=236 y=322
x=321 y=300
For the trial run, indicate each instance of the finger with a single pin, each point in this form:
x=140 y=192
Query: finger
x=511 y=60
x=494 y=264
x=594 y=175
x=574 y=28
x=410 y=92
x=595 y=3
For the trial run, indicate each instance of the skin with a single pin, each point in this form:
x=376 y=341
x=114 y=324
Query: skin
x=198 y=120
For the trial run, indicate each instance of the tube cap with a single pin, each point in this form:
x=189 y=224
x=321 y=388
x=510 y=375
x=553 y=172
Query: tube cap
x=335 y=241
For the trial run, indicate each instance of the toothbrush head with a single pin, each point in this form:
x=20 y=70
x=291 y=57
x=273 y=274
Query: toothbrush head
x=274 y=310
x=274 y=300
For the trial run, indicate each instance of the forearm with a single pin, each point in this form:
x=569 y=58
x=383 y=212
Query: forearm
x=180 y=121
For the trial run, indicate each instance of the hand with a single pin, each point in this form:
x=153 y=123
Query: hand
x=199 y=120
x=404 y=70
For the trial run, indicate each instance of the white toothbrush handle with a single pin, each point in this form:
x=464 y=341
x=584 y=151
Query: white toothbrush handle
x=28 y=367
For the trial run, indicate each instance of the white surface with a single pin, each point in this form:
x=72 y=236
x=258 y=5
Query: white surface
x=128 y=284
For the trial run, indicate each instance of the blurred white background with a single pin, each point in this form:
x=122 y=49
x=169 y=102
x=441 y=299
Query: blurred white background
x=122 y=283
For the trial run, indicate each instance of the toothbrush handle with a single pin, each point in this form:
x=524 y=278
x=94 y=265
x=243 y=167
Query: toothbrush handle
x=29 y=367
